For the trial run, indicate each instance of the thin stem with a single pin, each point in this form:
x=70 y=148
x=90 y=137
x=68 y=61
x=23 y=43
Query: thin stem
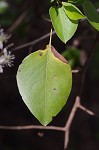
x=69 y=121
x=75 y=71
x=50 y=38
x=66 y=139
x=29 y=127
x=86 y=110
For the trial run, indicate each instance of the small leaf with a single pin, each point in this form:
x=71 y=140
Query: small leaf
x=64 y=27
x=44 y=82
x=91 y=14
x=75 y=1
x=72 y=11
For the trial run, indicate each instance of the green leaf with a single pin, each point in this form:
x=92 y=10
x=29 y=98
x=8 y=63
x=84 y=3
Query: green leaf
x=91 y=13
x=3 y=6
x=64 y=27
x=44 y=82
x=51 y=0
x=75 y=1
x=72 y=11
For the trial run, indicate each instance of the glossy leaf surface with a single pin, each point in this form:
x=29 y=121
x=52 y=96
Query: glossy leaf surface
x=75 y=1
x=72 y=11
x=3 y=6
x=44 y=82
x=64 y=27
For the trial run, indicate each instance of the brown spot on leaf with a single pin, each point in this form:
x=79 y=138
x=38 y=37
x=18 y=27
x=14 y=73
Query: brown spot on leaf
x=54 y=76
x=54 y=89
x=59 y=56
x=41 y=54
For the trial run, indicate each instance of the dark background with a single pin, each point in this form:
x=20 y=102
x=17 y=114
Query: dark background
x=84 y=133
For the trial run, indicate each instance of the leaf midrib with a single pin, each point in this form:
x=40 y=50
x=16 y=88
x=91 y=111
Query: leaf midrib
x=45 y=87
x=61 y=9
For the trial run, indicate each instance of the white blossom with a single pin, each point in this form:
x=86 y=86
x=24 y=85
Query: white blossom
x=6 y=59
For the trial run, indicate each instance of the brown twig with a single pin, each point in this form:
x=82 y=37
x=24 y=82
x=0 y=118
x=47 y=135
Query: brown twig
x=33 y=42
x=76 y=71
x=30 y=127
x=76 y=105
x=69 y=121
x=65 y=129
x=87 y=110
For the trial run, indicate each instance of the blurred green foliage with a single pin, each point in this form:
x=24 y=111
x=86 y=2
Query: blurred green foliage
x=3 y=6
x=73 y=56
x=7 y=13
